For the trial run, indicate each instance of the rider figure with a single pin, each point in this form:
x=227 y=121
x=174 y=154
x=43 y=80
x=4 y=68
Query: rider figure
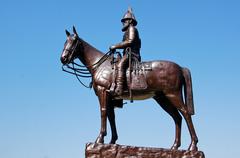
x=131 y=42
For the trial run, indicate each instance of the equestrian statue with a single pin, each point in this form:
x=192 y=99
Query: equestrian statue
x=116 y=78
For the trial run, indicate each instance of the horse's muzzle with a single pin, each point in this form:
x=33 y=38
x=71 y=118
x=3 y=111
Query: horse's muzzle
x=63 y=60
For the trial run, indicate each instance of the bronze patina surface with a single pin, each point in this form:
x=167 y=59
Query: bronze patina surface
x=166 y=82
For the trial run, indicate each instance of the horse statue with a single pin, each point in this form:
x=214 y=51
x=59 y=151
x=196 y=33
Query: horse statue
x=166 y=83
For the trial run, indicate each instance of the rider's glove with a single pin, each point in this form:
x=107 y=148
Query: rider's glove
x=112 y=48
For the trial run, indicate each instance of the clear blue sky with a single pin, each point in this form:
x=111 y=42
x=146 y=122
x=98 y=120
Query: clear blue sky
x=46 y=113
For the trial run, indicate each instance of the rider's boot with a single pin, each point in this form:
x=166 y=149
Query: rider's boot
x=119 y=81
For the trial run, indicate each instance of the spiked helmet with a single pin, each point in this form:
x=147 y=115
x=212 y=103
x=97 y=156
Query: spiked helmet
x=129 y=15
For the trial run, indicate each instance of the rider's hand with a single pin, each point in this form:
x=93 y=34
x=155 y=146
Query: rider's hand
x=112 y=48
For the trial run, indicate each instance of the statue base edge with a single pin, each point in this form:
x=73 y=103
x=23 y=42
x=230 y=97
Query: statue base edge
x=94 y=150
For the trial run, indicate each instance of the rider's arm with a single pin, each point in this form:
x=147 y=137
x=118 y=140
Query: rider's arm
x=128 y=42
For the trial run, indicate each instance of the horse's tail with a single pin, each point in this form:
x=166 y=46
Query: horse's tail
x=188 y=92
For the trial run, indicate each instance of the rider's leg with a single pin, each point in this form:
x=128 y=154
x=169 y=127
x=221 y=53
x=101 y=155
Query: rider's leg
x=121 y=68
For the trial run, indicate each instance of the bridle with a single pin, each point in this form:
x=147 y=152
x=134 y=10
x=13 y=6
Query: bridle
x=72 y=50
x=82 y=70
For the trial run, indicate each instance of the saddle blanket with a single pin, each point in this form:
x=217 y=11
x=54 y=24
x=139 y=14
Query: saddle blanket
x=137 y=81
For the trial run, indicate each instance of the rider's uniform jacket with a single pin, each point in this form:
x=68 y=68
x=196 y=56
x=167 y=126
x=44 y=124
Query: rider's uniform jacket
x=131 y=39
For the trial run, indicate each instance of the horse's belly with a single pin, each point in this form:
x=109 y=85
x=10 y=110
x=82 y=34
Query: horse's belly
x=138 y=95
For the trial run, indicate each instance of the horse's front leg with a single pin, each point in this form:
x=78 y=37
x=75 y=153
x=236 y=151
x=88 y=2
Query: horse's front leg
x=103 y=100
x=111 y=118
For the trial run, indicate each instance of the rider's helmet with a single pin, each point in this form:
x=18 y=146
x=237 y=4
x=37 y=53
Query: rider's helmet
x=129 y=16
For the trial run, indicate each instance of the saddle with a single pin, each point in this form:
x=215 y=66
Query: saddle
x=135 y=74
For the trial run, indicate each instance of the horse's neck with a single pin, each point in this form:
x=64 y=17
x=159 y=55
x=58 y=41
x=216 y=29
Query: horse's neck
x=90 y=55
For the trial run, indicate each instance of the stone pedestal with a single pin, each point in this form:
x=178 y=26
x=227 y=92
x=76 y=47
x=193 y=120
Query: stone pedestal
x=121 y=151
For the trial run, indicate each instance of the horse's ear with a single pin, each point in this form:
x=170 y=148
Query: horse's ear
x=67 y=33
x=74 y=31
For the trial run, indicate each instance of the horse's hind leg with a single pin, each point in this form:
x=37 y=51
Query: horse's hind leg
x=177 y=101
x=111 y=118
x=172 y=111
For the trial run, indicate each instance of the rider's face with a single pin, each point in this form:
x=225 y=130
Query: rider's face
x=125 y=23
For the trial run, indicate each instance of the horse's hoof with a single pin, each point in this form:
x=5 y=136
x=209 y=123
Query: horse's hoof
x=174 y=148
x=99 y=141
x=112 y=142
x=193 y=148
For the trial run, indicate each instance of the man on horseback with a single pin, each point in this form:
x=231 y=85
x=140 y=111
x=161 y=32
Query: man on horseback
x=131 y=43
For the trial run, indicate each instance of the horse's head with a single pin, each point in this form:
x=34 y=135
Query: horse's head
x=71 y=47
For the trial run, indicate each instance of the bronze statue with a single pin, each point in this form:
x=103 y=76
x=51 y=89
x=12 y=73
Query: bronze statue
x=131 y=44
x=164 y=81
